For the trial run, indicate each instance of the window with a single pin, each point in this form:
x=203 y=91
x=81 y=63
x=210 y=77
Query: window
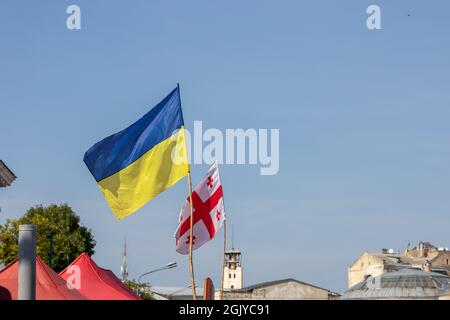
x=232 y=287
x=229 y=276
x=234 y=275
x=447 y=261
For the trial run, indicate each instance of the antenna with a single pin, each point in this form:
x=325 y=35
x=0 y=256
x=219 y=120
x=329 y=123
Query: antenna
x=124 y=266
x=232 y=237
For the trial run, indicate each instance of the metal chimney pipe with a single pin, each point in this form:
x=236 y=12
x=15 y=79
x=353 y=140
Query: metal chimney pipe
x=27 y=262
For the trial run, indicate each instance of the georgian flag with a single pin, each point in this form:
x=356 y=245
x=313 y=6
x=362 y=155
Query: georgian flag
x=209 y=213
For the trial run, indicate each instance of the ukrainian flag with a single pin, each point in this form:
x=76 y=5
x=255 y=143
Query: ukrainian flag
x=134 y=165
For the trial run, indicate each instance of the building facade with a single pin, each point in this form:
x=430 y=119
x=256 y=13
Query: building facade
x=286 y=289
x=233 y=270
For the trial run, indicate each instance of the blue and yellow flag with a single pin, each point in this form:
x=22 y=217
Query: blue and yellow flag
x=134 y=165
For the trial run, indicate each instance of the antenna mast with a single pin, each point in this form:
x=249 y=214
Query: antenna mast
x=232 y=237
x=124 y=266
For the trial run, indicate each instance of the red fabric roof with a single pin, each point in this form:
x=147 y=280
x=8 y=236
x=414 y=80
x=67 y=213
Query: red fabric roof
x=97 y=283
x=49 y=285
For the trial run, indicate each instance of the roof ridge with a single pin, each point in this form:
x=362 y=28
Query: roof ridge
x=95 y=269
x=9 y=265
x=258 y=285
x=43 y=266
x=73 y=262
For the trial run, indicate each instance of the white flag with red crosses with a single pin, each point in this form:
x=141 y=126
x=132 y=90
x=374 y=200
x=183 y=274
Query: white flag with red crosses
x=209 y=213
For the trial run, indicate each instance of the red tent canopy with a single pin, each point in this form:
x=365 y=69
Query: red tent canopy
x=97 y=283
x=49 y=285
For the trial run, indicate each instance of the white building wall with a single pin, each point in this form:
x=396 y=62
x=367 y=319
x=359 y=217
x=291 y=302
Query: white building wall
x=233 y=278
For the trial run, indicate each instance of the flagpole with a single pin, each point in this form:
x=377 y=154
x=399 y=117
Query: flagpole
x=224 y=242
x=191 y=217
x=223 y=258
x=191 y=264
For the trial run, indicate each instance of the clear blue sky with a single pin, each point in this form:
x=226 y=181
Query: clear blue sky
x=363 y=118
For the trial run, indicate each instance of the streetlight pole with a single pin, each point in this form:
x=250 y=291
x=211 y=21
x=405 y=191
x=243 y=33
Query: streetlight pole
x=167 y=266
x=170 y=265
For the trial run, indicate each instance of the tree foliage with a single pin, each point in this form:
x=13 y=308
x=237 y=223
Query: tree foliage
x=58 y=222
x=140 y=289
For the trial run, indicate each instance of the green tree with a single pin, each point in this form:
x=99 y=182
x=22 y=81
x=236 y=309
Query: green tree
x=57 y=222
x=140 y=289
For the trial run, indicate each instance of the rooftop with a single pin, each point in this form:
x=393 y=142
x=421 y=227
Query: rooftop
x=232 y=251
x=405 y=283
x=6 y=175
x=175 y=293
x=275 y=282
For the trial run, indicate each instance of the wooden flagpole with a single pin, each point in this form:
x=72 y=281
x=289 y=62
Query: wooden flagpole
x=191 y=217
x=191 y=264
x=224 y=243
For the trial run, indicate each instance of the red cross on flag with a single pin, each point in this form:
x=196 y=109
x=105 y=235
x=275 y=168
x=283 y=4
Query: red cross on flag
x=209 y=213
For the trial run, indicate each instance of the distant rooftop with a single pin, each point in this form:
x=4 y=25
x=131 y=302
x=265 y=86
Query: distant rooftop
x=176 y=293
x=275 y=282
x=420 y=255
x=6 y=175
x=402 y=284
x=425 y=244
x=232 y=251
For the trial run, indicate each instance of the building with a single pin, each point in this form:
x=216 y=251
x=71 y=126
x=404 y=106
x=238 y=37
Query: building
x=424 y=256
x=232 y=270
x=285 y=289
x=6 y=175
x=175 y=293
x=404 y=284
